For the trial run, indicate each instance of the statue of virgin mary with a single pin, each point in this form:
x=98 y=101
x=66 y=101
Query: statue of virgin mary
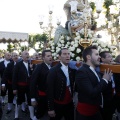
x=78 y=12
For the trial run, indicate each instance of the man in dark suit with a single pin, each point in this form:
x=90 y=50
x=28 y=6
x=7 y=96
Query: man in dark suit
x=90 y=85
x=109 y=93
x=7 y=78
x=60 y=87
x=21 y=83
x=38 y=81
x=3 y=65
x=117 y=88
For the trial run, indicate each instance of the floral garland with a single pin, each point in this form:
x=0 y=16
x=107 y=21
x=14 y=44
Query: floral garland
x=102 y=46
x=74 y=46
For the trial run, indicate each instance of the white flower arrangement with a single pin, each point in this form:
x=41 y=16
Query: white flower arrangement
x=102 y=46
x=74 y=46
x=66 y=42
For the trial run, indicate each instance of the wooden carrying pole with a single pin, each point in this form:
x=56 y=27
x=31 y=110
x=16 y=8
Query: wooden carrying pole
x=114 y=67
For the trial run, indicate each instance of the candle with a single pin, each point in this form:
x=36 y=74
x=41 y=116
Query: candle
x=112 y=9
x=99 y=4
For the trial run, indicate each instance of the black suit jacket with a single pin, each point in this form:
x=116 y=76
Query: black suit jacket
x=88 y=86
x=2 y=68
x=38 y=79
x=56 y=84
x=8 y=73
x=20 y=74
x=117 y=82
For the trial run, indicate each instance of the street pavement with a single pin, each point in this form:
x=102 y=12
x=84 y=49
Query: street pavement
x=23 y=116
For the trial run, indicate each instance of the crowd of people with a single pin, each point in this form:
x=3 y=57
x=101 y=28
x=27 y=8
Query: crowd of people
x=48 y=89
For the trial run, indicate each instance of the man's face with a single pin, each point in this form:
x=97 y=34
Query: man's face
x=35 y=56
x=48 y=57
x=108 y=59
x=65 y=56
x=95 y=58
x=7 y=56
x=15 y=57
x=25 y=55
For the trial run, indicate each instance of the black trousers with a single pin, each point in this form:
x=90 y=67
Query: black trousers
x=117 y=103
x=41 y=109
x=108 y=109
x=97 y=116
x=10 y=93
x=1 y=111
x=22 y=91
x=66 y=111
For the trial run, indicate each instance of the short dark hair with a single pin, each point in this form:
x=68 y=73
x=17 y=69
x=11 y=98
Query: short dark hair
x=44 y=51
x=117 y=59
x=60 y=52
x=103 y=54
x=88 y=51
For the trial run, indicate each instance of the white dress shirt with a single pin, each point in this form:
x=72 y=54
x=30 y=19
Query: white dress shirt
x=48 y=66
x=97 y=75
x=26 y=65
x=6 y=62
x=65 y=71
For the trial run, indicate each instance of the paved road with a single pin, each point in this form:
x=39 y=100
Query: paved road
x=23 y=116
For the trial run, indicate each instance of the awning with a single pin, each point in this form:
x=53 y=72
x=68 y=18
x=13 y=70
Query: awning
x=13 y=37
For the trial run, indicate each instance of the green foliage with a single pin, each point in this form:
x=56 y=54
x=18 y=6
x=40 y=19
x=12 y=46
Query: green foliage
x=107 y=3
x=41 y=38
x=38 y=38
x=10 y=47
x=23 y=48
x=92 y=4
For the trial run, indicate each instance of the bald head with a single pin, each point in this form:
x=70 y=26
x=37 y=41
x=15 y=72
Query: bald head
x=14 y=56
x=25 y=55
x=7 y=56
x=35 y=56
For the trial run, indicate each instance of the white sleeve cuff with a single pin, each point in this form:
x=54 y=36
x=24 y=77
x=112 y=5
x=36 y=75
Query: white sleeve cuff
x=105 y=80
x=3 y=85
x=33 y=99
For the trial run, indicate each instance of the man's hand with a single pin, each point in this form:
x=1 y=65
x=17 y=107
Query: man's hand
x=14 y=92
x=107 y=74
x=34 y=103
x=51 y=113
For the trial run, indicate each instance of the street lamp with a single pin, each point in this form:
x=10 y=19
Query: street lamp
x=49 y=28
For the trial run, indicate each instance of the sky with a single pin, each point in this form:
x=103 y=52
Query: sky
x=23 y=15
